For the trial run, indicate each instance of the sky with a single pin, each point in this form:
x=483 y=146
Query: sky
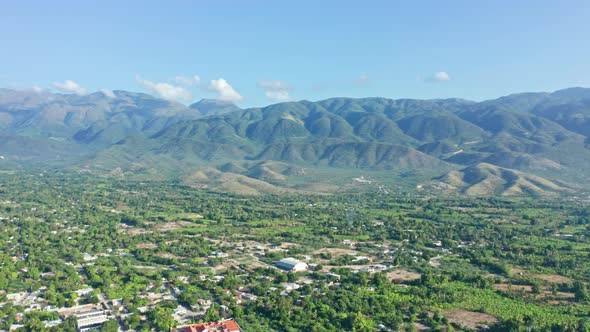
x=259 y=52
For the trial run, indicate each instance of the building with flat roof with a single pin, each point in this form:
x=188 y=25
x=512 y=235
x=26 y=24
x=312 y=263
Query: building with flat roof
x=91 y=320
x=89 y=317
x=291 y=264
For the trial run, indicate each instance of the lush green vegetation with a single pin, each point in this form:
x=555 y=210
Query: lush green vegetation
x=525 y=144
x=524 y=263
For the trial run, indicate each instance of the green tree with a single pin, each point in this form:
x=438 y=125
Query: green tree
x=212 y=315
x=132 y=322
x=580 y=291
x=362 y=323
x=162 y=319
x=110 y=326
x=34 y=324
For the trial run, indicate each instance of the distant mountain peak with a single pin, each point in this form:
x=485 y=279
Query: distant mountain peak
x=528 y=143
x=211 y=101
x=209 y=107
x=573 y=93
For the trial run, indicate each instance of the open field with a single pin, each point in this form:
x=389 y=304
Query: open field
x=470 y=319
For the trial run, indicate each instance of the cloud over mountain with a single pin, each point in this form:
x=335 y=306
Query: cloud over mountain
x=275 y=90
x=69 y=86
x=108 y=92
x=224 y=91
x=165 y=90
x=188 y=80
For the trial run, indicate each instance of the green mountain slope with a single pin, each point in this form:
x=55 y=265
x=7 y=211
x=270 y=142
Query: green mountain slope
x=528 y=137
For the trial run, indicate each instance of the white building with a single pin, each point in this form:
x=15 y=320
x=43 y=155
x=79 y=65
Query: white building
x=90 y=320
x=291 y=264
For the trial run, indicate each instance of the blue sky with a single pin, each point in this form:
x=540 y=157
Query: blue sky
x=259 y=52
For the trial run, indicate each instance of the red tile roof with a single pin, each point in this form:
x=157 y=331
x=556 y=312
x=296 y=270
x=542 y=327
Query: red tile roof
x=229 y=325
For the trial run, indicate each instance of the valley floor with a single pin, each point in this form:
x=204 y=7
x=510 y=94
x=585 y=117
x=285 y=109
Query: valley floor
x=148 y=256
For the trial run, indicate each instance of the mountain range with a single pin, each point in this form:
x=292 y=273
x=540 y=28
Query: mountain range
x=521 y=144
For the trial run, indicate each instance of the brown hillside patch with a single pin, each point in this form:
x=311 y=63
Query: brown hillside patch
x=318 y=187
x=403 y=275
x=147 y=245
x=421 y=327
x=505 y=287
x=551 y=278
x=335 y=251
x=251 y=262
x=559 y=296
x=167 y=255
x=170 y=226
x=145 y=267
x=134 y=231
x=469 y=319
x=554 y=278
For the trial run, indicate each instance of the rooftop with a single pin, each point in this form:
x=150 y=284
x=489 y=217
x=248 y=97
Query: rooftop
x=290 y=261
x=228 y=325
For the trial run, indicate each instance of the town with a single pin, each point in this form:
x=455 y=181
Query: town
x=160 y=257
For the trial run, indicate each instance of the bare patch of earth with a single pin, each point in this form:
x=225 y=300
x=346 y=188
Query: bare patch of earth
x=470 y=319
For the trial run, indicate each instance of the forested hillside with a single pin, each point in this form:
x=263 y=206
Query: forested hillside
x=535 y=135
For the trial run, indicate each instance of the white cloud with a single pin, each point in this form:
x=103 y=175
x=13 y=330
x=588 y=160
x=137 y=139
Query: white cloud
x=69 y=86
x=188 y=81
x=165 y=90
x=362 y=79
x=37 y=89
x=277 y=95
x=224 y=90
x=439 y=76
x=108 y=92
x=273 y=85
x=275 y=90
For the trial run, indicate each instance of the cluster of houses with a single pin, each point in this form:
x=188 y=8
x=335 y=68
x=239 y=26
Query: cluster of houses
x=89 y=317
x=92 y=316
